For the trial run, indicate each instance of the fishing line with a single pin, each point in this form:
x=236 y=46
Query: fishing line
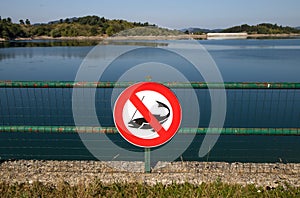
x=136 y=110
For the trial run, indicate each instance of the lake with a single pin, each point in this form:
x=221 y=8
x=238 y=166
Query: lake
x=271 y=60
x=274 y=60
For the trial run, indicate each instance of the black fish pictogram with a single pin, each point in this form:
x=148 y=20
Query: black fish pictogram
x=141 y=123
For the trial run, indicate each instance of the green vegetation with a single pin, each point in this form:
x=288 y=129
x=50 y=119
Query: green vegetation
x=100 y=26
x=98 y=189
x=149 y=31
x=263 y=28
x=199 y=31
x=10 y=30
x=82 y=26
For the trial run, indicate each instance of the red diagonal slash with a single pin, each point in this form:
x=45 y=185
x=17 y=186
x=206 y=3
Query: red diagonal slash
x=147 y=114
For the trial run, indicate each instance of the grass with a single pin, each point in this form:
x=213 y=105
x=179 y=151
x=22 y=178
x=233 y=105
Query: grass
x=98 y=189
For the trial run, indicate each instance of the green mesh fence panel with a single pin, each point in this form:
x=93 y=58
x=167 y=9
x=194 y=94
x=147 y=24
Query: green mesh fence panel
x=262 y=121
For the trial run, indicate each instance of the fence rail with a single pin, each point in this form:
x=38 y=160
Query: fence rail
x=199 y=131
x=180 y=85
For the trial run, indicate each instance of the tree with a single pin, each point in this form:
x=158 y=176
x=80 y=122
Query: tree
x=94 y=31
x=110 y=31
x=27 y=22
x=55 y=33
x=21 y=22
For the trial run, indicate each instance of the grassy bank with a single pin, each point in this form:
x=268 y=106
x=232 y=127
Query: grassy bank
x=98 y=189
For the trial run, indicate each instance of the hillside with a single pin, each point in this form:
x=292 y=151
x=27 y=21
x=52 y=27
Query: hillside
x=194 y=30
x=90 y=26
x=69 y=27
x=263 y=28
x=149 y=31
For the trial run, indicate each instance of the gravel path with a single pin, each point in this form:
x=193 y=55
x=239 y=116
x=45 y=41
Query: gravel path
x=84 y=172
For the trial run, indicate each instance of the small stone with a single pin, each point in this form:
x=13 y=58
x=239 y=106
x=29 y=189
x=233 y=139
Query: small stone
x=268 y=188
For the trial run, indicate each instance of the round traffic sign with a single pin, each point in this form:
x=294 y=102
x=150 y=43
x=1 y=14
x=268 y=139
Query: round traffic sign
x=147 y=114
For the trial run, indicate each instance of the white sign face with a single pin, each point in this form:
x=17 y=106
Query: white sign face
x=157 y=104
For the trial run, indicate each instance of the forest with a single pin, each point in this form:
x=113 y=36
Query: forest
x=100 y=26
x=263 y=28
x=69 y=27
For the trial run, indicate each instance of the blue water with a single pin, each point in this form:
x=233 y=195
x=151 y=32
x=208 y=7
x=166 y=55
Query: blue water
x=275 y=60
x=238 y=61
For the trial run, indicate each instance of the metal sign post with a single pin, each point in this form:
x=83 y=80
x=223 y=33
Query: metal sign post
x=147 y=160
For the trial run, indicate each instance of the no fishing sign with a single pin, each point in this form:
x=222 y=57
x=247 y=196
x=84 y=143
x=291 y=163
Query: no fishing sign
x=147 y=114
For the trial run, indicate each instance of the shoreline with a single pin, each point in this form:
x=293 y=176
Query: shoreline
x=171 y=37
x=273 y=35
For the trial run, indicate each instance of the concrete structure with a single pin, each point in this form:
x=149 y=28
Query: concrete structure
x=242 y=35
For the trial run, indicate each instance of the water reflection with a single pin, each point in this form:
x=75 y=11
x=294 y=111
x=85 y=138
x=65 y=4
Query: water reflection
x=65 y=49
x=7 y=56
x=76 y=43
x=136 y=43
x=31 y=52
x=48 y=43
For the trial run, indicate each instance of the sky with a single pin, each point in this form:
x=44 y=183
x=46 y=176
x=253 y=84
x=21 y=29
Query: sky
x=171 y=14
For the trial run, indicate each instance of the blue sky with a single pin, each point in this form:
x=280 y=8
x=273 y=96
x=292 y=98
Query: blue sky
x=165 y=13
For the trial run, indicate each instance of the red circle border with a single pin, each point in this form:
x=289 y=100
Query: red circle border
x=143 y=86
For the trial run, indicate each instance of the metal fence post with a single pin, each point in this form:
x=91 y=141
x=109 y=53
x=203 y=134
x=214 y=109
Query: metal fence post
x=147 y=160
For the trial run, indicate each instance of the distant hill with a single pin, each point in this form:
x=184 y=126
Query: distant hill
x=69 y=27
x=263 y=28
x=100 y=26
x=64 y=20
x=199 y=30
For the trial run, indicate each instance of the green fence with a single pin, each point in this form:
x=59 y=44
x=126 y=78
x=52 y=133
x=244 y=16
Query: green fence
x=15 y=94
x=112 y=130
x=262 y=122
x=175 y=85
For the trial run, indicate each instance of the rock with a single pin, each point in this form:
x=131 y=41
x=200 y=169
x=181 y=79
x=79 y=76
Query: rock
x=84 y=172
